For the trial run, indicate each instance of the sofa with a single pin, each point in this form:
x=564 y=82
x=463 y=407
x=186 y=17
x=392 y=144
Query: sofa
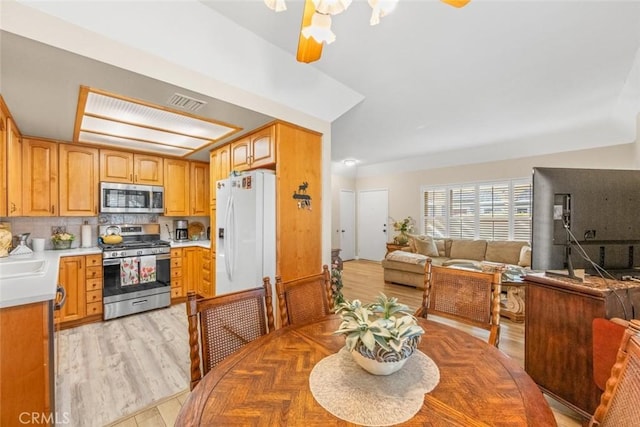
x=406 y=266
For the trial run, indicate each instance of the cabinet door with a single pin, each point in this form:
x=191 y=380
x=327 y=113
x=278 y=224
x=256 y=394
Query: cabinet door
x=14 y=169
x=72 y=278
x=78 y=180
x=199 y=175
x=39 y=177
x=204 y=286
x=220 y=166
x=176 y=190
x=116 y=166
x=148 y=169
x=262 y=148
x=3 y=160
x=191 y=268
x=240 y=155
x=25 y=351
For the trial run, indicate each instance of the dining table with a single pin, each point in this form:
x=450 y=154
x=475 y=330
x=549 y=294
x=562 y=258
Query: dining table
x=267 y=383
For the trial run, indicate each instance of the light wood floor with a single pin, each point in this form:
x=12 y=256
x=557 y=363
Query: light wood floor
x=362 y=280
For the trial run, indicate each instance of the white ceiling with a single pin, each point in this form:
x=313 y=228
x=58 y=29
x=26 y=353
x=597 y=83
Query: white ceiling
x=439 y=85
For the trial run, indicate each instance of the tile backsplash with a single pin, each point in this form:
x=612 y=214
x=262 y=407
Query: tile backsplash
x=42 y=226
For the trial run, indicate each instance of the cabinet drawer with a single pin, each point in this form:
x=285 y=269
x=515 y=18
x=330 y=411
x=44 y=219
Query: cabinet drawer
x=94 y=272
x=176 y=263
x=176 y=282
x=94 y=284
x=176 y=272
x=94 y=308
x=176 y=253
x=94 y=296
x=176 y=292
x=94 y=260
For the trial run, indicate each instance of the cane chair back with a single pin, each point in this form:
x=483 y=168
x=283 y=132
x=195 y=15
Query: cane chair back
x=468 y=296
x=306 y=299
x=226 y=323
x=620 y=401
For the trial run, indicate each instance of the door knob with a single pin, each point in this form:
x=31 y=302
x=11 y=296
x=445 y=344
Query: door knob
x=343 y=231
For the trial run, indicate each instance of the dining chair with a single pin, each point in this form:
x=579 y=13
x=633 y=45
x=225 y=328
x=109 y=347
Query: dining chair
x=226 y=323
x=469 y=296
x=606 y=335
x=306 y=299
x=619 y=402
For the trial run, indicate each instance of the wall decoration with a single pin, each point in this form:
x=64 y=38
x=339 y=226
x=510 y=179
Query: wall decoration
x=304 y=200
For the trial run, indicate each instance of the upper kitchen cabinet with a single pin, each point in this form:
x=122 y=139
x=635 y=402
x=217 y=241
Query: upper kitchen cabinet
x=254 y=151
x=199 y=188
x=122 y=166
x=176 y=190
x=79 y=178
x=14 y=169
x=39 y=177
x=219 y=167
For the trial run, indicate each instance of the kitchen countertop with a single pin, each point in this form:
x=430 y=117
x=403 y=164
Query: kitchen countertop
x=189 y=243
x=20 y=289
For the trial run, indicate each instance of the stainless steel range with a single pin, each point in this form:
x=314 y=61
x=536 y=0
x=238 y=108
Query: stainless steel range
x=136 y=272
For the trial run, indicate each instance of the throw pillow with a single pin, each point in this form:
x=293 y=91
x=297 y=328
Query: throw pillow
x=525 y=257
x=426 y=246
x=441 y=249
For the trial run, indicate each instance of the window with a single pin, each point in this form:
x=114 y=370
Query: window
x=487 y=210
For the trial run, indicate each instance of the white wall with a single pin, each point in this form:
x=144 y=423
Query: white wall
x=404 y=188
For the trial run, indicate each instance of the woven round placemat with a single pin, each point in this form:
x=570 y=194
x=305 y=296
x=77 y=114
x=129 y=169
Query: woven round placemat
x=352 y=394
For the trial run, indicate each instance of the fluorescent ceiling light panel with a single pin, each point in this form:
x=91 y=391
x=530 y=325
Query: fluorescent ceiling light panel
x=108 y=119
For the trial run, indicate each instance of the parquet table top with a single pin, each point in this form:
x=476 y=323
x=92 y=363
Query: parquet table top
x=267 y=383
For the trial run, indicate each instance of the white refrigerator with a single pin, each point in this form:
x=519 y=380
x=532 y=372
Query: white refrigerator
x=245 y=230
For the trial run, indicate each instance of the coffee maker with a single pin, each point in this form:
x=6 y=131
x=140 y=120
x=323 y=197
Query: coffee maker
x=180 y=230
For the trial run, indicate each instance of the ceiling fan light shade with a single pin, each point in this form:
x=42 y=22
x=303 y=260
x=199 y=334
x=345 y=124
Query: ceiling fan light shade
x=320 y=29
x=456 y=3
x=331 y=7
x=381 y=8
x=277 y=5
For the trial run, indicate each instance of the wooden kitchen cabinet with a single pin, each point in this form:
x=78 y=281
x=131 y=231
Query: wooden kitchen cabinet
x=39 y=177
x=26 y=350
x=177 y=282
x=126 y=167
x=254 y=151
x=219 y=167
x=79 y=178
x=199 y=188
x=176 y=189
x=72 y=278
x=14 y=169
x=204 y=287
x=93 y=285
x=192 y=268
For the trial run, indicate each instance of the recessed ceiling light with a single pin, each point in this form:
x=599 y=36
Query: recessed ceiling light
x=350 y=162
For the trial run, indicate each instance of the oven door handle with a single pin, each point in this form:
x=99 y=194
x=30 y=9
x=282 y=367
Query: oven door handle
x=111 y=261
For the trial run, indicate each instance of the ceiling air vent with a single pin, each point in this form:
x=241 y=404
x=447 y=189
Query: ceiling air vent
x=185 y=102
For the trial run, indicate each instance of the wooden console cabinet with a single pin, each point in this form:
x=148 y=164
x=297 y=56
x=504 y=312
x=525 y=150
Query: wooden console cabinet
x=558 y=335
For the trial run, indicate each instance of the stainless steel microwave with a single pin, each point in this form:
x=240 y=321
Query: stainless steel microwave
x=131 y=198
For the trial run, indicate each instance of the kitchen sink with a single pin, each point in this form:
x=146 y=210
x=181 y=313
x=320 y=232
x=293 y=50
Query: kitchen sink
x=23 y=267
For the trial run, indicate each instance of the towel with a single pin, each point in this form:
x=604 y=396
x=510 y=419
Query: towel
x=129 y=274
x=148 y=269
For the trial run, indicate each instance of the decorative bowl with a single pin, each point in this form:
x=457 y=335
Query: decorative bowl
x=61 y=244
x=381 y=361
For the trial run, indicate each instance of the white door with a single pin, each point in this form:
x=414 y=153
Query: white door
x=373 y=211
x=347 y=225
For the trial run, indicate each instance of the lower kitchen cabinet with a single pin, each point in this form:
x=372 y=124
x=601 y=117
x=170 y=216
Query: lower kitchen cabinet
x=177 y=283
x=81 y=278
x=192 y=271
x=26 y=350
x=204 y=286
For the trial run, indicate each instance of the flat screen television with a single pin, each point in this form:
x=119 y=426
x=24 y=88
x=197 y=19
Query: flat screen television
x=598 y=209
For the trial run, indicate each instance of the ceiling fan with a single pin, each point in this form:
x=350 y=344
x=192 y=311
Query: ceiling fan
x=316 y=21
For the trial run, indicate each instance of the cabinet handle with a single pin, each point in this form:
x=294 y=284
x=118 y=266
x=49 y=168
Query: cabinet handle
x=13 y=207
x=130 y=177
x=136 y=178
x=53 y=209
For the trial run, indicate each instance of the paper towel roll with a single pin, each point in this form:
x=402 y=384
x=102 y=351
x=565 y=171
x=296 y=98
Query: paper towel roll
x=85 y=233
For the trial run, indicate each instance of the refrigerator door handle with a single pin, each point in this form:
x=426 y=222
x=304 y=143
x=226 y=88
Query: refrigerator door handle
x=229 y=236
